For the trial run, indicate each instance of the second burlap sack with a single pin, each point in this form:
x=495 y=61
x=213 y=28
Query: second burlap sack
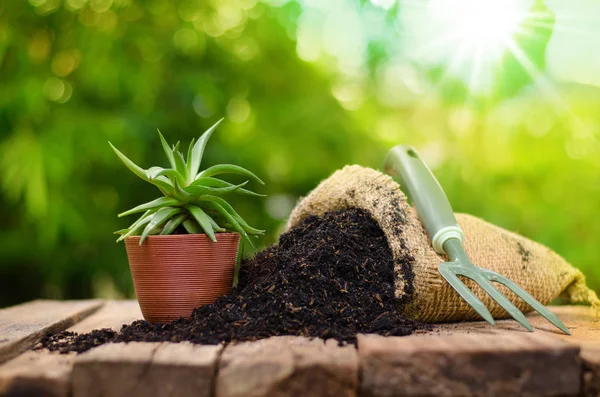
x=423 y=294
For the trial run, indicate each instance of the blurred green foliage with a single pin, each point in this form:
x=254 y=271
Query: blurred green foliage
x=303 y=92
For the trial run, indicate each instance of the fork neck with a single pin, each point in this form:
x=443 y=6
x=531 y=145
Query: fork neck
x=455 y=251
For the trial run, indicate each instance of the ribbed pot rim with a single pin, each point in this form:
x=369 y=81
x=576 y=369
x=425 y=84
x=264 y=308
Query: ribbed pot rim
x=159 y=237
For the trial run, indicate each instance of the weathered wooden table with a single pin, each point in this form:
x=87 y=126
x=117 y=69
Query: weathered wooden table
x=468 y=359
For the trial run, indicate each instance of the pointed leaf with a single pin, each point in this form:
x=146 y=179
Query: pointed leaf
x=153 y=172
x=134 y=224
x=157 y=174
x=246 y=192
x=155 y=231
x=189 y=153
x=214 y=182
x=164 y=185
x=181 y=194
x=192 y=226
x=133 y=230
x=169 y=173
x=227 y=207
x=200 y=190
x=203 y=220
x=161 y=216
x=167 y=149
x=181 y=167
x=154 y=204
x=141 y=218
x=208 y=181
x=236 y=226
x=216 y=226
x=164 y=180
x=172 y=224
x=198 y=151
x=130 y=164
x=228 y=169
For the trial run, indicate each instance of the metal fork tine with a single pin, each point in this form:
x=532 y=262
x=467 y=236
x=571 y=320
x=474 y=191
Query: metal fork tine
x=530 y=300
x=496 y=295
x=465 y=292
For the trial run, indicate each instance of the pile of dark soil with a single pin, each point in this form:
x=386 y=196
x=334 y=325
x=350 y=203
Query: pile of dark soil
x=330 y=277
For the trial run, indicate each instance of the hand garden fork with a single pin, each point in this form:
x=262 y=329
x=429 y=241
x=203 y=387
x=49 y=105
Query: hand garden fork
x=447 y=237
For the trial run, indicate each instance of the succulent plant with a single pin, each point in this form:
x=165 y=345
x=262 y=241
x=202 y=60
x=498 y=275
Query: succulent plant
x=192 y=198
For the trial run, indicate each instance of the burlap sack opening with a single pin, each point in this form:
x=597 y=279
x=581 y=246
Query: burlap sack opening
x=422 y=292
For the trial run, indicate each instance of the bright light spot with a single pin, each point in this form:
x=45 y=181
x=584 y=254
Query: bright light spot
x=278 y=165
x=100 y=5
x=189 y=11
x=185 y=39
x=37 y=3
x=435 y=154
x=389 y=129
x=385 y=4
x=398 y=84
x=64 y=63
x=57 y=90
x=478 y=22
x=75 y=4
x=348 y=94
x=246 y=48
x=279 y=206
x=238 y=109
x=474 y=34
x=309 y=41
x=54 y=89
x=107 y=21
x=45 y=7
x=39 y=46
x=460 y=120
x=202 y=107
x=88 y=17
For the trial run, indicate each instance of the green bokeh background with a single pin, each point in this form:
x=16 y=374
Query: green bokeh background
x=305 y=87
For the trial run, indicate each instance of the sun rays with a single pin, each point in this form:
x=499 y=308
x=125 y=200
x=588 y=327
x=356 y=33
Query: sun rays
x=471 y=40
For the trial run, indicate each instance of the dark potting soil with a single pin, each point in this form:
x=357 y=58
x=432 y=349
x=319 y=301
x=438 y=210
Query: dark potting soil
x=329 y=277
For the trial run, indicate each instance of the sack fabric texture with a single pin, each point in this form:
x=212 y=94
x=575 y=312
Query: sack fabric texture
x=423 y=293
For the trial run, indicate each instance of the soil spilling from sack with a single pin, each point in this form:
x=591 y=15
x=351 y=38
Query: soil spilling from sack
x=329 y=277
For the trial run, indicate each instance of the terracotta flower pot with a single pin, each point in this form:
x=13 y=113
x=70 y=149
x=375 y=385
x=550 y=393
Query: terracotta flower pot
x=175 y=274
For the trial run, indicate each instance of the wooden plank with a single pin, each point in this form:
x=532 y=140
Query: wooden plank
x=590 y=353
x=288 y=366
x=516 y=364
x=146 y=369
x=585 y=333
x=44 y=373
x=36 y=373
x=22 y=326
x=321 y=367
x=113 y=370
x=584 y=326
x=183 y=369
x=114 y=314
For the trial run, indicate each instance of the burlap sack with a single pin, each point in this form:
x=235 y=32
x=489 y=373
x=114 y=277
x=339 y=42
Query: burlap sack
x=422 y=292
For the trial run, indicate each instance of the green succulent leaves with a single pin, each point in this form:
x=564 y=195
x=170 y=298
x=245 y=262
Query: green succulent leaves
x=191 y=198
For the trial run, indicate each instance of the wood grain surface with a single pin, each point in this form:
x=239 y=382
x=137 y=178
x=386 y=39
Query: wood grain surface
x=463 y=359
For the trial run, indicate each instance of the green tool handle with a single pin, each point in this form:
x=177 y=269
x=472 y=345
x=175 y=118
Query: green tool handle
x=427 y=195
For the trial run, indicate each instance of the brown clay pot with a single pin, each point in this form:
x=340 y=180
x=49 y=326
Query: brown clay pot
x=175 y=274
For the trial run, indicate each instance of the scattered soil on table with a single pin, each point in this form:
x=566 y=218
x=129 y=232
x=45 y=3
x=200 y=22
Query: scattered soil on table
x=329 y=277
